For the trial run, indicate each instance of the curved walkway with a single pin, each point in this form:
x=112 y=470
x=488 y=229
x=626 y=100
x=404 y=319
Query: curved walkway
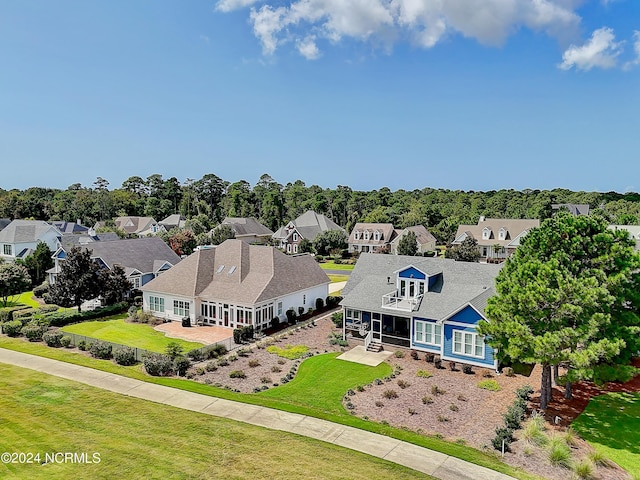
x=418 y=458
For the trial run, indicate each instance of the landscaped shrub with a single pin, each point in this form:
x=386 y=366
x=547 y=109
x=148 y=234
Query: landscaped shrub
x=467 y=369
x=490 y=385
x=48 y=308
x=244 y=352
x=100 y=349
x=157 y=364
x=12 y=328
x=390 y=394
x=436 y=390
x=319 y=303
x=124 y=355
x=237 y=336
x=82 y=345
x=206 y=353
x=28 y=312
x=265 y=380
x=223 y=362
x=291 y=316
x=173 y=349
x=337 y=319
x=414 y=355
x=379 y=403
x=65 y=341
x=559 y=453
x=462 y=398
x=452 y=366
x=237 y=374
x=505 y=435
x=442 y=418
x=33 y=332
x=254 y=363
x=453 y=407
x=584 y=469
x=524 y=392
x=508 y=371
x=6 y=313
x=336 y=339
x=300 y=310
x=427 y=399
x=40 y=290
x=137 y=315
x=398 y=354
x=60 y=319
x=246 y=333
x=291 y=352
x=403 y=384
x=438 y=363
x=211 y=366
x=181 y=364
x=53 y=339
x=514 y=416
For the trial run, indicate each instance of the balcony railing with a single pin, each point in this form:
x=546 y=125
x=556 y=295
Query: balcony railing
x=393 y=301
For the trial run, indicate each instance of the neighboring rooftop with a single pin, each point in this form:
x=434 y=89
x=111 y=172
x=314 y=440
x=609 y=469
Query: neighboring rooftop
x=496 y=231
x=573 y=208
x=246 y=227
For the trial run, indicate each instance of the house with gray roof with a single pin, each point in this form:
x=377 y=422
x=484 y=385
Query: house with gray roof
x=173 y=221
x=138 y=226
x=497 y=238
x=235 y=284
x=307 y=226
x=142 y=259
x=69 y=227
x=633 y=230
x=20 y=238
x=248 y=229
x=426 y=304
x=425 y=240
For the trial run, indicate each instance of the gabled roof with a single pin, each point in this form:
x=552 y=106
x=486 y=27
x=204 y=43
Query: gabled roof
x=26 y=231
x=239 y=273
x=458 y=284
x=134 y=225
x=386 y=230
x=69 y=227
x=423 y=236
x=573 y=208
x=514 y=228
x=69 y=240
x=309 y=225
x=246 y=227
x=142 y=254
x=173 y=221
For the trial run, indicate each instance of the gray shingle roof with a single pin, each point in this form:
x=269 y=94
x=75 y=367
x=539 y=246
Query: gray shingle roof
x=25 y=231
x=461 y=283
x=246 y=226
x=141 y=254
x=70 y=227
x=310 y=224
x=261 y=273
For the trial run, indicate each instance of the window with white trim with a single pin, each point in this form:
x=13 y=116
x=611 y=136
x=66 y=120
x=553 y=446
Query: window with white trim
x=181 y=308
x=428 y=332
x=366 y=235
x=136 y=282
x=6 y=249
x=355 y=314
x=468 y=343
x=376 y=236
x=295 y=237
x=156 y=304
x=279 y=308
x=356 y=235
x=295 y=248
x=486 y=233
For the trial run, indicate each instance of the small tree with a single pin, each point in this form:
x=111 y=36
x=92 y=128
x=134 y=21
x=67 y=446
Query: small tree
x=305 y=246
x=14 y=279
x=467 y=251
x=173 y=349
x=222 y=233
x=183 y=242
x=330 y=240
x=115 y=284
x=408 y=244
x=38 y=263
x=78 y=280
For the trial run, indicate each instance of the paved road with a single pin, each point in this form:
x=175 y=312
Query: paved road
x=421 y=459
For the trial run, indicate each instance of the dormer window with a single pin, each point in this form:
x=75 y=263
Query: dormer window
x=220 y=269
x=356 y=235
x=502 y=234
x=376 y=235
x=486 y=233
x=366 y=235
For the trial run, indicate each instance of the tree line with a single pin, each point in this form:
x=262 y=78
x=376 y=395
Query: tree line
x=211 y=198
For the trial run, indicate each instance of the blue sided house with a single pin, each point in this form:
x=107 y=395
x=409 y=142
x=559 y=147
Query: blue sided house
x=426 y=304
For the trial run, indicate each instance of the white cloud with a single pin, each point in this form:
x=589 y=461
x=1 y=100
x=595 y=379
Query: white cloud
x=308 y=48
x=636 y=49
x=423 y=22
x=600 y=51
x=230 y=5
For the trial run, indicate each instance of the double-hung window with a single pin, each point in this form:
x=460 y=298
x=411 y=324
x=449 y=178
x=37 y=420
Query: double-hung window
x=468 y=343
x=428 y=332
x=181 y=308
x=156 y=304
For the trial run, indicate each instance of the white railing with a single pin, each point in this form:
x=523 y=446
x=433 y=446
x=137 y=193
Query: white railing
x=392 y=300
x=368 y=339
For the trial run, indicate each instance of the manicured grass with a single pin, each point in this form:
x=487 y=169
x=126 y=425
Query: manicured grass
x=611 y=423
x=132 y=334
x=331 y=265
x=337 y=278
x=25 y=298
x=322 y=381
x=285 y=404
x=139 y=439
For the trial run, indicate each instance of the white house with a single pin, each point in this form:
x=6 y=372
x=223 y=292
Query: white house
x=21 y=237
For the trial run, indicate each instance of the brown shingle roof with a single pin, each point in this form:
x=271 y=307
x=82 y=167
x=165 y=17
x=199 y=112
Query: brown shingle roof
x=514 y=228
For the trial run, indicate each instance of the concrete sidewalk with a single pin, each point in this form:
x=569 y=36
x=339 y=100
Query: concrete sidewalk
x=421 y=459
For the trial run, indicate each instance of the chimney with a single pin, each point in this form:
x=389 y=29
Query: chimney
x=481 y=219
x=79 y=221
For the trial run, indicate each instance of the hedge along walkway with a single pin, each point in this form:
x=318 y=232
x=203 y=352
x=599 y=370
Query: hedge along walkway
x=418 y=458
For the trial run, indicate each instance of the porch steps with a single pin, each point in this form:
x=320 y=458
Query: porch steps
x=375 y=347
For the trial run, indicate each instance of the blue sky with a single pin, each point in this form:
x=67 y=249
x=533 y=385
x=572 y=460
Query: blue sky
x=459 y=94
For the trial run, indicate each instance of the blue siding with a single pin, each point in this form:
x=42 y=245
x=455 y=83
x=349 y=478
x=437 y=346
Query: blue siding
x=447 y=334
x=412 y=272
x=432 y=281
x=466 y=315
x=146 y=278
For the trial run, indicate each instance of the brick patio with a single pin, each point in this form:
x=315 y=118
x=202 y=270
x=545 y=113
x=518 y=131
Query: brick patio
x=206 y=334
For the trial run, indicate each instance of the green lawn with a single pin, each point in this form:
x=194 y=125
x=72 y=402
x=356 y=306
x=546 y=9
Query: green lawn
x=25 y=298
x=331 y=265
x=337 y=278
x=139 y=439
x=285 y=403
x=322 y=381
x=132 y=334
x=611 y=423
